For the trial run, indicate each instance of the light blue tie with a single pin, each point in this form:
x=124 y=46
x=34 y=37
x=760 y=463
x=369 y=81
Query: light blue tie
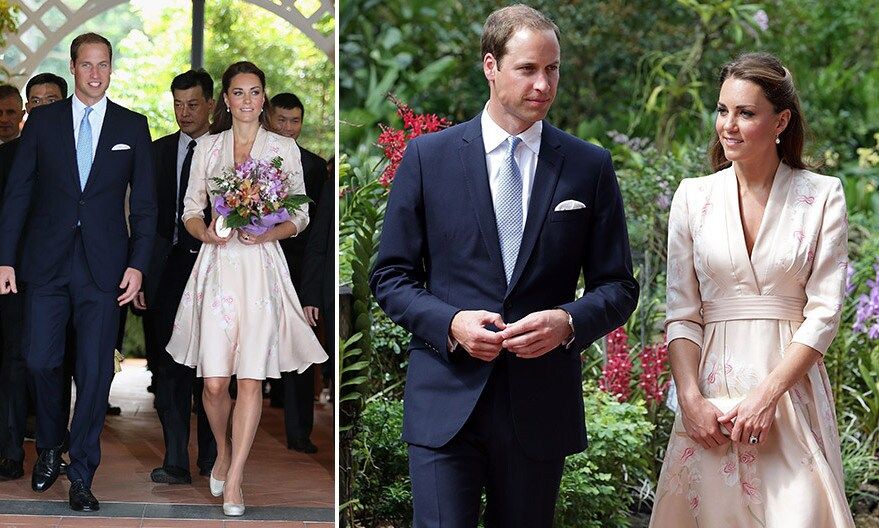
x=508 y=207
x=84 y=148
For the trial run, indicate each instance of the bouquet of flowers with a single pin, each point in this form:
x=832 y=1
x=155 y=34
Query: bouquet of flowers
x=254 y=196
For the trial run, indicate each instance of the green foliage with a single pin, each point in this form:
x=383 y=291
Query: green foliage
x=592 y=489
x=382 y=486
x=8 y=10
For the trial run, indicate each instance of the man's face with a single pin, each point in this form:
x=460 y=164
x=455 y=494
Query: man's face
x=193 y=111
x=42 y=94
x=286 y=121
x=91 y=72
x=523 y=85
x=11 y=115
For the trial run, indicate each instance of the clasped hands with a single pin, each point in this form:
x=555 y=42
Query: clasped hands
x=752 y=417
x=530 y=337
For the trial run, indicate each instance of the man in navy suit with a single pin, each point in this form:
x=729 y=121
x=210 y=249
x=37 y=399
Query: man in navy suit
x=75 y=163
x=488 y=227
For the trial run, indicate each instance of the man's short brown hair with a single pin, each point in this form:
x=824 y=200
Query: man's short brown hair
x=89 y=38
x=7 y=91
x=504 y=22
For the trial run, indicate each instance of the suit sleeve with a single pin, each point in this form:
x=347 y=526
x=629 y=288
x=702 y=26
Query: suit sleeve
x=317 y=252
x=825 y=288
x=683 y=315
x=19 y=190
x=611 y=292
x=143 y=215
x=399 y=277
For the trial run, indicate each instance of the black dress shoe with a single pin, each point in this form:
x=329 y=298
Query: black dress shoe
x=113 y=410
x=170 y=475
x=62 y=467
x=81 y=498
x=11 y=469
x=47 y=469
x=303 y=445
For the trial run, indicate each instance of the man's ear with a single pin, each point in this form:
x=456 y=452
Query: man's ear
x=489 y=66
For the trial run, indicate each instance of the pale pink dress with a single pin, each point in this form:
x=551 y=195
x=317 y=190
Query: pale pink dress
x=239 y=313
x=743 y=312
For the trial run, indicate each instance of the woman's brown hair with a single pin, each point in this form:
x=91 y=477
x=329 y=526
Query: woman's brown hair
x=767 y=72
x=222 y=117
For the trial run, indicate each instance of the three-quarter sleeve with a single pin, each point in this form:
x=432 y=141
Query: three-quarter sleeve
x=196 y=199
x=292 y=165
x=825 y=287
x=683 y=299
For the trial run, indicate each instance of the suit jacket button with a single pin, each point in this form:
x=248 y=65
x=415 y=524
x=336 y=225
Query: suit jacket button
x=82 y=202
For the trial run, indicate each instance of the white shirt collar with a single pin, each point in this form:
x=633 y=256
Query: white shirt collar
x=493 y=135
x=98 y=109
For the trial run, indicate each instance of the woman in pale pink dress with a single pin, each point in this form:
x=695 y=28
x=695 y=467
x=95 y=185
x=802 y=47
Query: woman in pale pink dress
x=239 y=313
x=756 y=279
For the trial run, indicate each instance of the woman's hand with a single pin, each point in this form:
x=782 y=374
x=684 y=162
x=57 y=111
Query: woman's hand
x=249 y=239
x=752 y=417
x=210 y=236
x=700 y=420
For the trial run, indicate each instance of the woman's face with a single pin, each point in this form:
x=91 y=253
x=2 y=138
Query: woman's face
x=747 y=125
x=245 y=97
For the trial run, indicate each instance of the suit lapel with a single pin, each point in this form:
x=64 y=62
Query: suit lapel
x=68 y=145
x=546 y=176
x=472 y=153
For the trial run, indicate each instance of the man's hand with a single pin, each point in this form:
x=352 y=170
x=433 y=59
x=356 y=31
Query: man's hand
x=140 y=301
x=312 y=313
x=7 y=280
x=537 y=333
x=131 y=282
x=468 y=330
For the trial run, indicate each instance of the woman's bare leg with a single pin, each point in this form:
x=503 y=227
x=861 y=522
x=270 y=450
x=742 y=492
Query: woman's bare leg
x=218 y=407
x=245 y=419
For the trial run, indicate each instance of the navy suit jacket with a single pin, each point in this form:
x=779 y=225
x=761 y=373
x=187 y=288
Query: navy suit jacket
x=439 y=254
x=44 y=180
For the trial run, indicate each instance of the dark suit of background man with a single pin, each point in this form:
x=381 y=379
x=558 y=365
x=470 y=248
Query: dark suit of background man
x=74 y=165
x=11 y=113
x=488 y=227
x=42 y=89
x=285 y=118
x=175 y=252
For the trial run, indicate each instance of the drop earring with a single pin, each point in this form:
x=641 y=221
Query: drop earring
x=777 y=140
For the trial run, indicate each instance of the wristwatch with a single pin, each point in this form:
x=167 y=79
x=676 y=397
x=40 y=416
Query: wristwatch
x=570 y=339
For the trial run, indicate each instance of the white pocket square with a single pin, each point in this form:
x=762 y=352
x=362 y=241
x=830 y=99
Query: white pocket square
x=120 y=146
x=570 y=205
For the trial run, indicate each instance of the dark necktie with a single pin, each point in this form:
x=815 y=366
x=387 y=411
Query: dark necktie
x=181 y=190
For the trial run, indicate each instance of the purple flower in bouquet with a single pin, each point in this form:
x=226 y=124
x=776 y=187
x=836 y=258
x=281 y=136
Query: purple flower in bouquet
x=256 y=195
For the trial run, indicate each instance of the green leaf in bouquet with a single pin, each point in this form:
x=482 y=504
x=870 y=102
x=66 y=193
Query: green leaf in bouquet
x=295 y=200
x=235 y=220
x=277 y=161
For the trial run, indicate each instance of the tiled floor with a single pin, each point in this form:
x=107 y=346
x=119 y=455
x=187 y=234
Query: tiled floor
x=278 y=484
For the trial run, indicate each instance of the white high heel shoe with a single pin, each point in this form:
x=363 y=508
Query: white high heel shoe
x=217 y=486
x=234 y=510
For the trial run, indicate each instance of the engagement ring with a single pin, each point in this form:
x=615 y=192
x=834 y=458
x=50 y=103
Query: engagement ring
x=753 y=440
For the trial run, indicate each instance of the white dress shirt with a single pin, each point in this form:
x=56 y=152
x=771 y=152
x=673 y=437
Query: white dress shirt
x=494 y=138
x=96 y=120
